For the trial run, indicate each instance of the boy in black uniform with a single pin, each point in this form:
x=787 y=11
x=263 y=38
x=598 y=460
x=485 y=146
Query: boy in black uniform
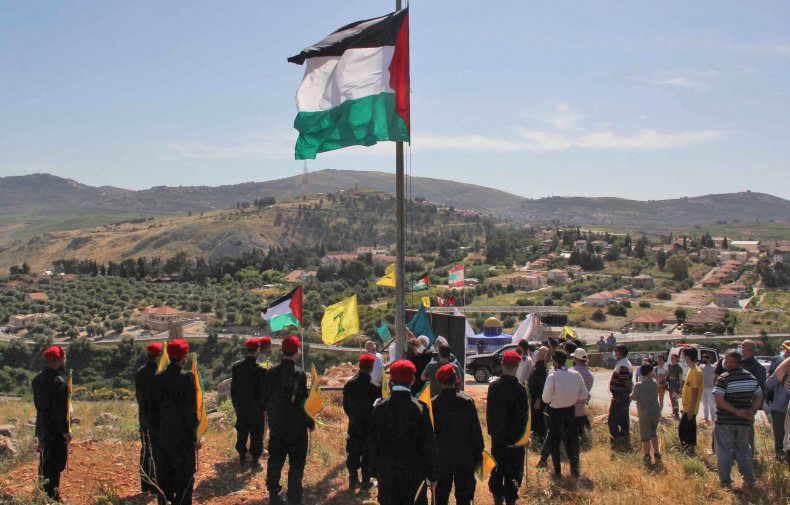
x=174 y=427
x=284 y=396
x=50 y=396
x=143 y=381
x=246 y=393
x=359 y=393
x=459 y=439
x=506 y=415
x=402 y=443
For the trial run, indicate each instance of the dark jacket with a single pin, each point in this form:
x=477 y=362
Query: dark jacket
x=506 y=410
x=359 y=393
x=50 y=396
x=458 y=433
x=284 y=396
x=420 y=361
x=247 y=385
x=143 y=382
x=174 y=408
x=401 y=439
x=537 y=381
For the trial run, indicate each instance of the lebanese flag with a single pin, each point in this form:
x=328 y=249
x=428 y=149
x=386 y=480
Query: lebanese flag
x=456 y=277
x=421 y=283
x=440 y=301
x=285 y=311
x=355 y=89
x=451 y=301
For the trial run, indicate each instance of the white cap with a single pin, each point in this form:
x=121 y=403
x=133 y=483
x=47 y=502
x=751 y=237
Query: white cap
x=580 y=354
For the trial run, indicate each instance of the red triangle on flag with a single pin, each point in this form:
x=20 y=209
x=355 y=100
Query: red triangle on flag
x=296 y=304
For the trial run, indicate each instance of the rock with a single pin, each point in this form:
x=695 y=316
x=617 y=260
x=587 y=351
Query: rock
x=217 y=417
x=75 y=421
x=105 y=419
x=7 y=430
x=211 y=400
x=7 y=448
x=223 y=391
x=12 y=420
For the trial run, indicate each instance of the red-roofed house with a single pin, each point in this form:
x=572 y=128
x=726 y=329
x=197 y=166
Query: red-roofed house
x=298 y=276
x=649 y=321
x=726 y=298
x=160 y=318
x=16 y=284
x=36 y=297
x=601 y=299
x=711 y=283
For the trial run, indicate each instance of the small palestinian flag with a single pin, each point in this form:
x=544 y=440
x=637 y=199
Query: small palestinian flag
x=355 y=89
x=422 y=283
x=285 y=311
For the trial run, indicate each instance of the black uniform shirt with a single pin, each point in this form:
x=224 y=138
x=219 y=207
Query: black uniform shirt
x=359 y=393
x=50 y=396
x=174 y=407
x=143 y=382
x=506 y=410
x=284 y=396
x=247 y=384
x=458 y=433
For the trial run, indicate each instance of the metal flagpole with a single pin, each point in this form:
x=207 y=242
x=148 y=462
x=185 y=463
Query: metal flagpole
x=400 y=246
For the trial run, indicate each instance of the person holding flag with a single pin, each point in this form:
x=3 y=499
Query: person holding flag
x=174 y=425
x=359 y=394
x=143 y=382
x=459 y=439
x=246 y=392
x=506 y=416
x=401 y=442
x=284 y=397
x=51 y=399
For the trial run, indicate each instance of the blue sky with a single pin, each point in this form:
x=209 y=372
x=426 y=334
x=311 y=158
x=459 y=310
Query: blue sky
x=642 y=100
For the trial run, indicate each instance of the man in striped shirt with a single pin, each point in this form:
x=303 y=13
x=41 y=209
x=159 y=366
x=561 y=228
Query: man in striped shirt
x=738 y=397
x=620 y=385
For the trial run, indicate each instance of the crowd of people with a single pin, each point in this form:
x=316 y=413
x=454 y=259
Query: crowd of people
x=407 y=447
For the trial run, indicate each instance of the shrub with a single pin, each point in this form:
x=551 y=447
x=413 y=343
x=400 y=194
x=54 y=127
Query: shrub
x=664 y=295
x=599 y=316
x=644 y=304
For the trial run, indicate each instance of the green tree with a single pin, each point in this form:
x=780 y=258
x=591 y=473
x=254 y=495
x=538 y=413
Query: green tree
x=678 y=266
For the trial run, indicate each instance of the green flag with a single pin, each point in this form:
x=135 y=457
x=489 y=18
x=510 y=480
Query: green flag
x=420 y=324
x=384 y=333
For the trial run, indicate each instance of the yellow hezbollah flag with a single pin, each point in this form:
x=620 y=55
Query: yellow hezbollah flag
x=164 y=359
x=524 y=438
x=567 y=332
x=313 y=403
x=70 y=389
x=340 y=321
x=385 y=383
x=486 y=466
x=389 y=277
x=426 y=302
x=425 y=397
x=202 y=415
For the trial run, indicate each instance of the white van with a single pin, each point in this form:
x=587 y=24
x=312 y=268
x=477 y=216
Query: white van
x=678 y=349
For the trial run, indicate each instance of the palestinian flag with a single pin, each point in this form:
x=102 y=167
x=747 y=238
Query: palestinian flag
x=285 y=311
x=422 y=283
x=355 y=89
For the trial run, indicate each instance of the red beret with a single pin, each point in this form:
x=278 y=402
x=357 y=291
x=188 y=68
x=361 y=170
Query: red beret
x=177 y=349
x=511 y=358
x=54 y=353
x=402 y=372
x=252 y=343
x=445 y=373
x=265 y=341
x=291 y=344
x=366 y=361
x=154 y=349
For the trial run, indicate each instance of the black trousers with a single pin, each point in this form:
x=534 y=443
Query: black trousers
x=357 y=457
x=296 y=452
x=564 y=429
x=399 y=487
x=619 y=417
x=175 y=473
x=52 y=456
x=538 y=423
x=249 y=424
x=465 y=485
x=687 y=432
x=506 y=477
x=147 y=466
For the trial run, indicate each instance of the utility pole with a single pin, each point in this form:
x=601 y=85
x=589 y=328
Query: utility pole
x=400 y=247
x=304 y=181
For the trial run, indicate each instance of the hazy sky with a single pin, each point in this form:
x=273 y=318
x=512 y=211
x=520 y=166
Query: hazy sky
x=644 y=100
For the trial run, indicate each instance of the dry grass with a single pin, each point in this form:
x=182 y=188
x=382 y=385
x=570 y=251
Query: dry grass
x=103 y=468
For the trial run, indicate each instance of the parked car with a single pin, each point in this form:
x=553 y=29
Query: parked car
x=710 y=334
x=484 y=366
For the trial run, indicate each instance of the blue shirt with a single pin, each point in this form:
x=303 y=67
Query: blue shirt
x=779 y=404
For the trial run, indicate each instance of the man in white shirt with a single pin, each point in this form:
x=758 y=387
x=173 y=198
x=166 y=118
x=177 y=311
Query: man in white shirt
x=375 y=372
x=526 y=365
x=563 y=389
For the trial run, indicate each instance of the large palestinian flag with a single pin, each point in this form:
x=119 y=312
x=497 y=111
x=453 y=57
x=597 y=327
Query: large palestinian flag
x=355 y=89
x=285 y=311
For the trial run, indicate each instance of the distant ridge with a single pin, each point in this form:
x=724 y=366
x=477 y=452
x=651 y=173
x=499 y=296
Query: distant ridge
x=50 y=196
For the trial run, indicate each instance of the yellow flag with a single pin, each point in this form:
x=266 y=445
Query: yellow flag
x=313 y=403
x=164 y=359
x=202 y=415
x=567 y=332
x=426 y=302
x=486 y=466
x=70 y=389
x=340 y=321
x=385 y=383
x=524 y=438
x=389 y=277
x=425 y=397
